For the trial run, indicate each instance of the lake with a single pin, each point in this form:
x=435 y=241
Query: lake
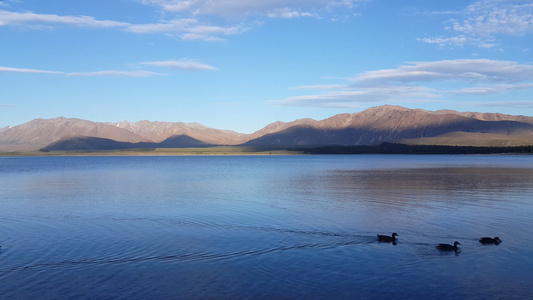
x=265 y=227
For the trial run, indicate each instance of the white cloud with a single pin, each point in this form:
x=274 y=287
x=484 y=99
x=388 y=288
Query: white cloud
x=187 y=28
x=178 y=25
x=185 y=21
x=111 y=73
x=403 y=83
x=355 y=96
x=484 y=90
x=469 y=70
x=507 y=104
x=288 y=13
x=187 y=65
x=490 y=17
x=460 y=41
x=19 y=70
x=454 y=41
x=16 y=18
x=481 y=22
x=209 y=33
x=321 y=87
x=233 y=8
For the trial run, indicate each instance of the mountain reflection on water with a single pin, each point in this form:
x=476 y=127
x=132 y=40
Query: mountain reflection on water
x=296 y=227
x=454 y=183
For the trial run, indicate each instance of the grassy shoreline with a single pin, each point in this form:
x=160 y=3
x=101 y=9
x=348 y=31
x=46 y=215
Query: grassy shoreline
x=201 y=151
x=385 y=148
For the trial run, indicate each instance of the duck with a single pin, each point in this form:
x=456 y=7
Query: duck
x=488 y=240
x=448 y=247
x=388 y=239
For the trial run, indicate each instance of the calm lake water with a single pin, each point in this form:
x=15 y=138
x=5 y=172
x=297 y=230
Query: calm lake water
x=265 y=227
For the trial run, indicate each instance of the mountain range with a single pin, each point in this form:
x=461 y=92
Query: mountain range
x=369 y=127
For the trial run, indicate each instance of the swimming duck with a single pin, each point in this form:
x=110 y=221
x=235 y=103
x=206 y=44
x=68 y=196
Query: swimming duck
x=488 y=240
x=448 y=247
x=386 y=238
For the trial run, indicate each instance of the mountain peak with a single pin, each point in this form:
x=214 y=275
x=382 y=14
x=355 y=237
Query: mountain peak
x=388 y=123
x=387 y=108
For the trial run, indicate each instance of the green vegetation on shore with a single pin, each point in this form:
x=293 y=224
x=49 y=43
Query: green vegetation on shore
x=385 y=148
x=393 y=148
x=215 y=150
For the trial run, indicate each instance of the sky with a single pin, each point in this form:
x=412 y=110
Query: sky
x=241 y=64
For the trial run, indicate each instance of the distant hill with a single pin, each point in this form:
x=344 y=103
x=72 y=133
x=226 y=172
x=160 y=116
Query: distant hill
x=94 y=144
x=160 y=131
x=398 y=124
x=42 y=132
x=373 y=126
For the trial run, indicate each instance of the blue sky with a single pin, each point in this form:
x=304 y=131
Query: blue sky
x=241 y=64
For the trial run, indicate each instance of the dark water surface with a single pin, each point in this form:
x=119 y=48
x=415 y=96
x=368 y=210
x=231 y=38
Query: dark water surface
x=267 y=227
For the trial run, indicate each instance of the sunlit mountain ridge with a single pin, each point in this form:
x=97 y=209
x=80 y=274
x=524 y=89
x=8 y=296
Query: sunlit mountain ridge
x=369 y=127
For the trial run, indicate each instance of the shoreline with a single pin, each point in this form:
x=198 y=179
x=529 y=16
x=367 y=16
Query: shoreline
x=384 y=148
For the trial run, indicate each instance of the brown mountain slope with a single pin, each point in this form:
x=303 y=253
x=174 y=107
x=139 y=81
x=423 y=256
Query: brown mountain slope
x=160 y=131
x=370 y=127
x=94 y=143
x=38 y=133
x=390 y=116
x=394 y=123
x=488 y=116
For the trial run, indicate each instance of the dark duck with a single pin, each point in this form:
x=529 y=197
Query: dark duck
x=388 y=239
x=448 y=247
x=488 y=240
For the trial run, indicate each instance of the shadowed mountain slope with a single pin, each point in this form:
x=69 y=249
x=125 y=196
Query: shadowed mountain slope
x=93 y=143
x=38 y=133
x=393 y=123
x=160 y=131
x=370 y=127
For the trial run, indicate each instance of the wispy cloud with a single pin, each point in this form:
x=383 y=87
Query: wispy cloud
x=20 y=70
x=188 y=19
x=460 y=41
x=232 y=8
x=354 y=97
x=177 y=25
x=18 y=18
x=515 y=104
x=7 y=105
x=97 y=73
x=405 y=83
x=211 y=33
x=455 y=41
x=288 y=13
x=491 y=17
x=185 y=64
x=485 y=90
x=186 y=28
x=321 y=87
x=480 y=23
x=468 y=70
x=112 y=73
